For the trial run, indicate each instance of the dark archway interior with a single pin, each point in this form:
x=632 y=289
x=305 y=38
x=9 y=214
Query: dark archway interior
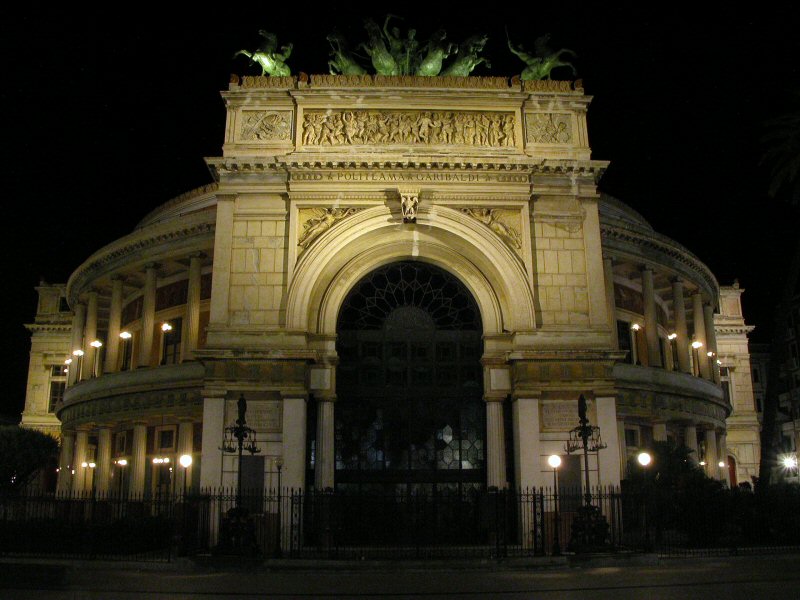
x=409 y=412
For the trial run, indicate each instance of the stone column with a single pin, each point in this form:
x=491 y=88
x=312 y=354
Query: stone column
x=65 y=464
x=148 y=316
x=78 y=322
x=495 y=444
x=90 y=335
x=682 y=339
x=293 y=475
x=712 y=470
x=185 y=436
x=527 y=447
x=325 y=457
x=114 y=318
x=191 y=324
x=711 y=338
x=690 y=440
x=138 y=459
x=623 y=449
x=608 y=464
x=103 y=469
x=650 y=319
x=213 y=431
x=608 y=270
x=81 y=456
x=700 y=335
x=660 y=432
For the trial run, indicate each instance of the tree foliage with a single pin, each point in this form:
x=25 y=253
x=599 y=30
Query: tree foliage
x=22 y=453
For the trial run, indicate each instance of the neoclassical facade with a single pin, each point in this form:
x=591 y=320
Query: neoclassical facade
x=411 y=280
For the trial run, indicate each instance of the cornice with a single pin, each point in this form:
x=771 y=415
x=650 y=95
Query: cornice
x=49 y=327
x=190 y=227
x=612 y=234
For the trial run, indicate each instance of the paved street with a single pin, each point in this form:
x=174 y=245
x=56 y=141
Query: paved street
x=732 y=578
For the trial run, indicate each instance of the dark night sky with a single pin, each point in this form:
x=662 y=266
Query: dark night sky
x=105 y=118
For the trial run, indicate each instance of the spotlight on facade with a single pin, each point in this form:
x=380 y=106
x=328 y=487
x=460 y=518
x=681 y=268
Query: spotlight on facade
x=96 y=344
x=126 y=335
x=84 y=464
x=636 y=327
x=789 y=462
x=672 y=336
x=166 y=327
x=122 y=462
x=92 y=465
x=644 y=458
x=697 y=345
x=721 y=464
x=554 y=461
x=78 y=353
x=185 y=460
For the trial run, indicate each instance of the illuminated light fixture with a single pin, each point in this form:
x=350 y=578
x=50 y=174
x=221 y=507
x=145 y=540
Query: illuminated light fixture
x=719 y=362
x=702 y=463
x=672 y=336
x=636 y=327
x=697 y=345
x=84 y=464
x=126 y=335
x=789 y=462
x=68 y=361
x=78 y=353
x=166 y=327
x=709 y=354
x=166 y=460
x=644 y=458
x=554 y=461
x=96 y=344
x=721 y=464
x=122 y=462
x=92 y=465
x=186 y=460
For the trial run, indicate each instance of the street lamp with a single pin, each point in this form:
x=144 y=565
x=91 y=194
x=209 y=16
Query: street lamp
x=635 y=328
x=126 y=349
x=696 y=345
x=673 y=346
x=555 y=461
x=278 y=549
x=96 y=344
x=644 y=459
x=122 y=463
x=79 y=355
x=186 y=462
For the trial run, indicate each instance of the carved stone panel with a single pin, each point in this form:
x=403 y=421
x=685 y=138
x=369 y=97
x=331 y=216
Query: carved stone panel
x=263 y=416
x=266 y=126
x=562 y=415
x=316 y=221
x=408 y=127
x=549 y=128
x=505 y=223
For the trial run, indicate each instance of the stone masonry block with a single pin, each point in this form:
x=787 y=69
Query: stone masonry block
x=268 y=228
x=236 y=299
x=565 y=262
x=578 y=261
x=267 y=260
x=550 y=261
x=238 y=261
x=250 y=297
x=265 y=297
x=254 y=228
x=240 y=228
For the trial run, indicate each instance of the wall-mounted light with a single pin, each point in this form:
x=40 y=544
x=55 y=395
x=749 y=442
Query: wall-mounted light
x=166 y=327
x=126 y=335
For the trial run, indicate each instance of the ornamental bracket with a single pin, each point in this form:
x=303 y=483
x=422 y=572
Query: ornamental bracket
x=409 y=204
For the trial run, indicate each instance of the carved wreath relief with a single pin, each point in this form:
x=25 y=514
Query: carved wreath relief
x=549 y=128
x=351 y=127
x=266 y=126
x=491 y=218
x=321 y=220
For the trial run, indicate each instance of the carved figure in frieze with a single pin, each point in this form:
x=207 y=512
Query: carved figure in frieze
x=468 y=57
x=266 y=126
x=490 y=218
x=312 y=128
x=341 y=60
x=322 y=221
x=272 y=63
x=543 y=61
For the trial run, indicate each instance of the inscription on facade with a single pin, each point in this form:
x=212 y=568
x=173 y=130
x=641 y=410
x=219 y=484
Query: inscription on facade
x=549 y=128
x=562 y=415
x=266 y=125
x=410 y=177
x=356 y=127
x=263 y=416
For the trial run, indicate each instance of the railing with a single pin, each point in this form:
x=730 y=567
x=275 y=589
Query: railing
x=301 y=524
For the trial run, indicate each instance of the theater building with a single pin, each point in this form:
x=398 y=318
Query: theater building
x=411 y=280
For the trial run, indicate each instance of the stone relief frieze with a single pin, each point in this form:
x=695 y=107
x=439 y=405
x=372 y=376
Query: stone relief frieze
x=354 y=127
x=498 y=221
x=549 y=128
x=317 y=221
x=266 y=125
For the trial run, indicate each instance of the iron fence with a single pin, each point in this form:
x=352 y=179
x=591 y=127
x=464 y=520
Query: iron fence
x=348 y=525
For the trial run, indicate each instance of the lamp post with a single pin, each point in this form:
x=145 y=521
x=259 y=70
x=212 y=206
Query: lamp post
x=635 y=328
x=240 y=432
x=126 y=350
x=644 y=459
x=78 y=354
x=696 y=345
x=122 y=463
x=165 y=329
x=186 y=462
x=555 y=461
x=278 y=549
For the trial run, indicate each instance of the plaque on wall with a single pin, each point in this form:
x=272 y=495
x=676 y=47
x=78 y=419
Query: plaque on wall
x=562 y=415
x=262 y=415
